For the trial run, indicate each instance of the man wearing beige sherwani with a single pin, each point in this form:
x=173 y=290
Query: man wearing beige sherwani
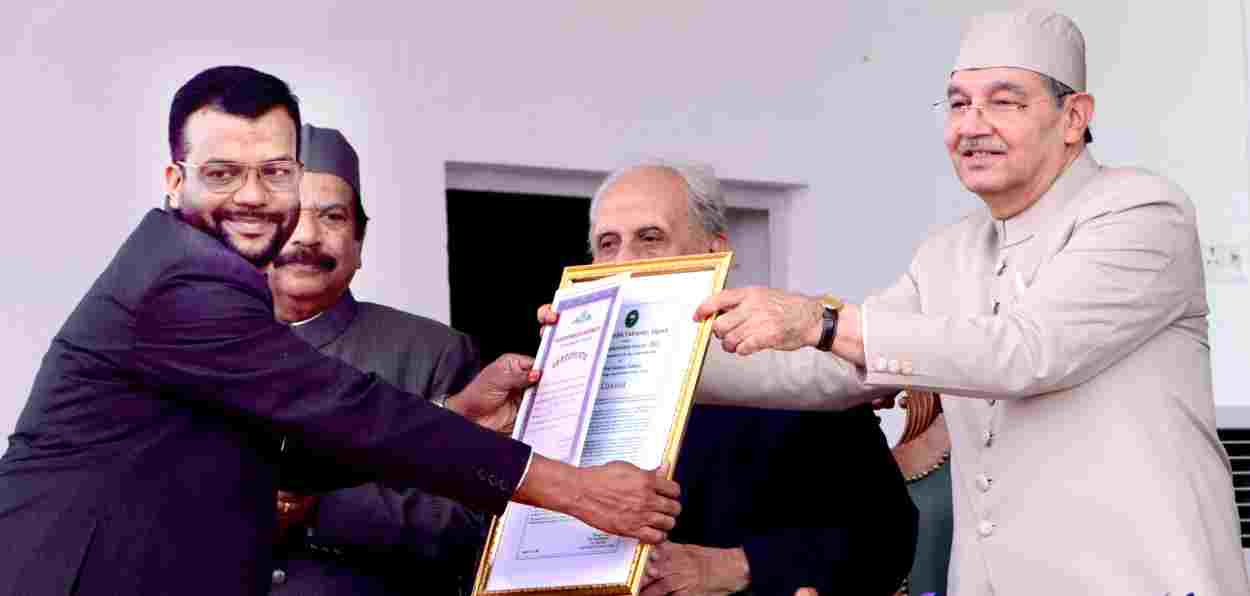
x=1066 y=325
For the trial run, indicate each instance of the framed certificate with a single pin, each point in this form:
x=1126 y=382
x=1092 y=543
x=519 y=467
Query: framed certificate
x=619 y=373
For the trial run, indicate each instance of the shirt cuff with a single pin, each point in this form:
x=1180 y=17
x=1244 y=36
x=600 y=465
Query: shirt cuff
x=526 y=472
x=886 y=368
x=861 y=372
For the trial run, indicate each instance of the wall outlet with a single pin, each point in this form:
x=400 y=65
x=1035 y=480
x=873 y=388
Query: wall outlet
x=1225 y=263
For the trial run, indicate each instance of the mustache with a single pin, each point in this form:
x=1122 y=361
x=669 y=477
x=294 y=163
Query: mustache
x=981 y=144
x=306 y=256
x=252 y=214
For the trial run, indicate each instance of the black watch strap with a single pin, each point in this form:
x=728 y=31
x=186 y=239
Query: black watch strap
x=829 y=329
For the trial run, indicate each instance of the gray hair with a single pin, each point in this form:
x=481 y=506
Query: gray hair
x=1059 y=91
x=705 y=199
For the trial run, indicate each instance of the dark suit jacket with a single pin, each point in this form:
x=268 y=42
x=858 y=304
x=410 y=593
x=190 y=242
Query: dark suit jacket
x=814 y=498
x=373 y=539
x=145 y=459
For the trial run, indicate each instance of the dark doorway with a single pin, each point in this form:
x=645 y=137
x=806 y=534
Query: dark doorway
x=506 y=253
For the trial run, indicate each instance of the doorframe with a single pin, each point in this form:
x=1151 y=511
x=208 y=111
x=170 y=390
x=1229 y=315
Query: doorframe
x=773 y=197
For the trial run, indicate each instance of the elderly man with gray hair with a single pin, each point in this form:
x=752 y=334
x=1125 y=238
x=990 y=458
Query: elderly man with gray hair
x=752 y=518
x=704 y=208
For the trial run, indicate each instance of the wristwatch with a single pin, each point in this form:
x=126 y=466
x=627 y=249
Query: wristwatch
x=829 y=321
x=441 y=400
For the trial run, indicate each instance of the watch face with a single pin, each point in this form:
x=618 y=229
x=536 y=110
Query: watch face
x=831 y=302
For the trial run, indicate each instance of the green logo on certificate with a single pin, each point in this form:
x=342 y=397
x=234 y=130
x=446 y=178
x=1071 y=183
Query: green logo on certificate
x=631 y=319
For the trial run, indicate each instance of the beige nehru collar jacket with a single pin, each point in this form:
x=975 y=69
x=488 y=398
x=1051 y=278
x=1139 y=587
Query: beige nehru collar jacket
x=1070 y=345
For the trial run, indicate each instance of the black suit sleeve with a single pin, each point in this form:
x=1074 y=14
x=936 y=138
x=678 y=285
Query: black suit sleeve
x=435 y=534
x=214 y=340
x=448 y=372
x=444 y=532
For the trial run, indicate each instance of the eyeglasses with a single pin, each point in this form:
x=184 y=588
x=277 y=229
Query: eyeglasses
x=282 y=175
x=995 y=111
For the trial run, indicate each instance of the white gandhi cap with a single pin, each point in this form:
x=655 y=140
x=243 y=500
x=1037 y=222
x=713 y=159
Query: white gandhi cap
x=1042 y=41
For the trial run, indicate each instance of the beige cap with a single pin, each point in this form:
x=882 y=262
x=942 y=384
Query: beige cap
x=1038 y=40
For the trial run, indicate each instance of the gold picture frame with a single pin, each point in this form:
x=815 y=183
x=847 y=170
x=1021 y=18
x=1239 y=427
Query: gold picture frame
x=718 y=264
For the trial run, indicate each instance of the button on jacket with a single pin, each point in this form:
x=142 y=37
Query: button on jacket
x=1107 y=475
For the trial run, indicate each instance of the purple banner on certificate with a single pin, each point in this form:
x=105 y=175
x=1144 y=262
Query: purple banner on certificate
x=560 y=405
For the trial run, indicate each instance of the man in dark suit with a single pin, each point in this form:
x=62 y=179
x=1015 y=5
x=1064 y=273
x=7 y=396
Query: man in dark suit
x=370 y=539
x=145 y=459
x=747 y=482
x=754 y=520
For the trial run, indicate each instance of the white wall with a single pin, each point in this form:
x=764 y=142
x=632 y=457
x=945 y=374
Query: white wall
x=831 y=95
